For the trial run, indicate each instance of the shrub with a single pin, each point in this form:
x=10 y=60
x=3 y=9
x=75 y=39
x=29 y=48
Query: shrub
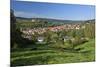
x=77 y=41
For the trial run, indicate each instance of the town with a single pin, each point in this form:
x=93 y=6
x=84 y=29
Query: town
x=27 y=33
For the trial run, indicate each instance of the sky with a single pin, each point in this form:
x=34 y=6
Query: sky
x=53 y=10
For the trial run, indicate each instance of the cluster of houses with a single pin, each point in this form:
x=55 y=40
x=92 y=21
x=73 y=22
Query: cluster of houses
x=64 y=27
x=29 y=32
x=54 y=29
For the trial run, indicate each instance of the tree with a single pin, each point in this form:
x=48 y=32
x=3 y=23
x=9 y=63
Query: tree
x=16 y=39
x=12 y=27
x=89 y=30
x=48 y=35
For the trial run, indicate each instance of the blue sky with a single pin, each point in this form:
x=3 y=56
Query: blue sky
x=53 y=10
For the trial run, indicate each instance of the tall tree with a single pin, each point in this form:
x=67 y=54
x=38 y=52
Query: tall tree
x=12 y=27
x=15 y=34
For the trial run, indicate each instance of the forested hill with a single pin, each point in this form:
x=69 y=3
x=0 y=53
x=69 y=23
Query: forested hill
x=54 y=20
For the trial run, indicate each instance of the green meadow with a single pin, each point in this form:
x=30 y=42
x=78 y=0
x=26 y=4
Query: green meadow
x=21 y=57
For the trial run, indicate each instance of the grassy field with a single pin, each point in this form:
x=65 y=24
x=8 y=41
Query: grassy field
x=54 y=56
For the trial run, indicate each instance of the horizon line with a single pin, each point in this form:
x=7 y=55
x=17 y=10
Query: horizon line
x=55 y=18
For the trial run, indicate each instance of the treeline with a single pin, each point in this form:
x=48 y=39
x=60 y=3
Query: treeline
x=36 y=24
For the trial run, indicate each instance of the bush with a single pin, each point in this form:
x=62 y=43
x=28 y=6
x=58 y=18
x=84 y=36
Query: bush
x=78 y=41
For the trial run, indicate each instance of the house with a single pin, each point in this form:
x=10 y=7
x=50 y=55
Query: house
x=33 y=20
x=40 y=39
x=66 y=38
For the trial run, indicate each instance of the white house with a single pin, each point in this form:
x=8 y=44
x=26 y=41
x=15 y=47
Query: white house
x=40 y=39
x=33 y=20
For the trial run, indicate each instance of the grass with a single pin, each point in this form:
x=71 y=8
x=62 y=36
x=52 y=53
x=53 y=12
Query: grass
x=51 y=56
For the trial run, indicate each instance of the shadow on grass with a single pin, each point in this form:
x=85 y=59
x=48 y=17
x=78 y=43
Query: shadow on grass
x=35 y=52
x=37 y=60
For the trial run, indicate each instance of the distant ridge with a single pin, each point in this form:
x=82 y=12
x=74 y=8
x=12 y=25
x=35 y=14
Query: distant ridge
x=55 y=20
